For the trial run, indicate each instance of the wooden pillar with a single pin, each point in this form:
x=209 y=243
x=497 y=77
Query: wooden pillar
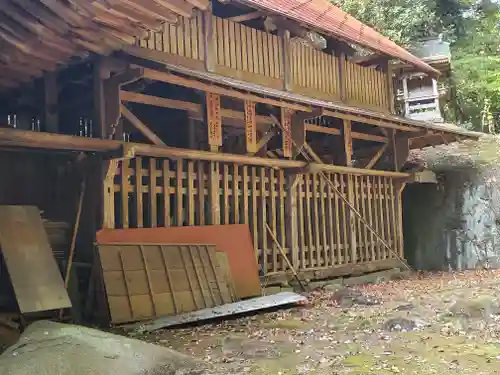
x=348 y=142
x=435 y=92
x=390 y=87
x=286 y=125
x=350 y=191
x=214 y=192
x=342 y=77
x=399 y=222
x=399 y=149
x=112 y=109
x=406 y=96
x=292 y=229
x=298 y=134
x=214 y=121
x=250 y=127
x=99 y=123
x=50 y=98
x=209 y=41
x=287 y=71
x=191 y=136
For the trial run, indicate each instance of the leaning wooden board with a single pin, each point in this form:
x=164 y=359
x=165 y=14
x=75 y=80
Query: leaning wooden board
x=234 y=240
x=149 y=281
x=32 y=269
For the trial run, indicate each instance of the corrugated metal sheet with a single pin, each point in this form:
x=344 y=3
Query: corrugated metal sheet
x=322 y=15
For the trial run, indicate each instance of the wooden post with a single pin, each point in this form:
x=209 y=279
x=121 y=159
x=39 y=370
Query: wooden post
x=214 y=121
x=191 y=138
x=400 y=149
x=99 y=128
x=387 y=70
x=286 y=123
x=291 y=224
x=51 y=117
x=399 y=211
x=406 y=96
x=209 y=41
x=298 y=134
x=250 y=127
x=348 y=142
x=214 y=191
x=287 y=69
x=112 y=109
x=350 y=191
x=342 y=76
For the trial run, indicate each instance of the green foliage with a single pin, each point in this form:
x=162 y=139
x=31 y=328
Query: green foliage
x=403 y=21
x=476 y=67
x=472 y=26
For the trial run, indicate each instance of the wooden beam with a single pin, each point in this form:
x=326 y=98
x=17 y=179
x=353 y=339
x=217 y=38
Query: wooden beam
x=186 y=82
x=246 y=17
x=177 y=6
x=49 y=141
x=371 y=121
x=354 y=135
x=29 y=139
x=266 y=138
x=377 y=156
x=191 y=108
x=200 y=4
x=156 y=101
x=322 y=129
x=373 y=59
x=139 y=125
x=369 y=137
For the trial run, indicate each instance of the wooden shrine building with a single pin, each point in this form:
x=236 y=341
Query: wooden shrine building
x=197 y=112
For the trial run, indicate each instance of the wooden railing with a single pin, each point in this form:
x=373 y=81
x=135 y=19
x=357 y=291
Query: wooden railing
x=247 y=54
x=314 y=72
x=365 y=86
x=308 y=218
x=184 y=40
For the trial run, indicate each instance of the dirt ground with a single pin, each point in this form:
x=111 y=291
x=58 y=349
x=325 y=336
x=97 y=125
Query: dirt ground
x=427 y=324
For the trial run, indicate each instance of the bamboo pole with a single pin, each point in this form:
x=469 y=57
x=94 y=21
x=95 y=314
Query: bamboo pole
x=73 y=240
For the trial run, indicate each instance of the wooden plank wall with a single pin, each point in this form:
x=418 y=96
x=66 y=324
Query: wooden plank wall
x=365 y=86
x=305 y=216
x=314 y=72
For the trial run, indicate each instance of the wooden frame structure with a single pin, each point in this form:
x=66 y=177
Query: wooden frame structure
x=213 y=119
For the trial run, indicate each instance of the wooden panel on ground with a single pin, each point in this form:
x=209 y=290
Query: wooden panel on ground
x=144 y=281
x=237 y=308
x=33 y=271
x=234 y=240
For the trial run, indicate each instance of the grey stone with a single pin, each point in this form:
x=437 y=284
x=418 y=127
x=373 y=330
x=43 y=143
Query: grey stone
x=400 y=325
x=48 y=348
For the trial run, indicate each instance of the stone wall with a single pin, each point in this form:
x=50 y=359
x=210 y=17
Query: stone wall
x=455 y=224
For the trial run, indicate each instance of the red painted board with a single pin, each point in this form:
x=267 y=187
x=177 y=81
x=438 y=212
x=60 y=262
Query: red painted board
x=234 y=240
